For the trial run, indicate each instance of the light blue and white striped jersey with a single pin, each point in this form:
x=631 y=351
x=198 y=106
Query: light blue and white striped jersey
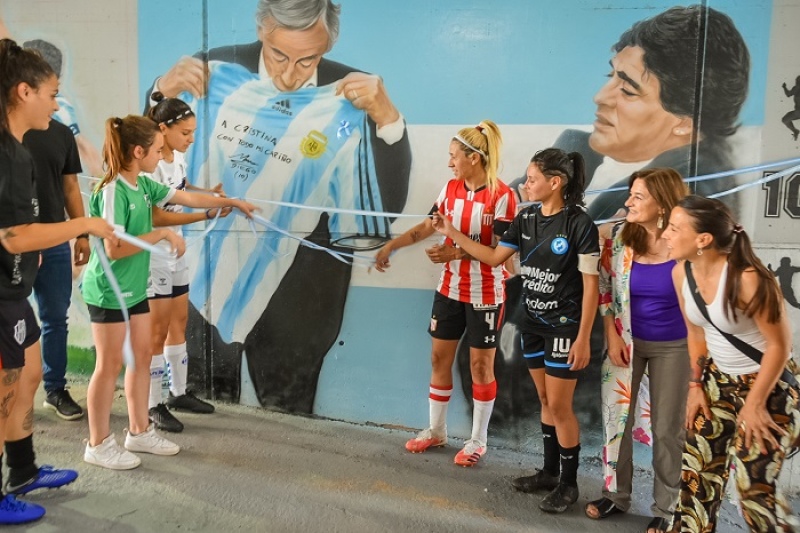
x=307 y=147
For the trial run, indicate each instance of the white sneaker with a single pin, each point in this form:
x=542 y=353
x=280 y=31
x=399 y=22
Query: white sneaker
x=150 y=442
x=109 y=454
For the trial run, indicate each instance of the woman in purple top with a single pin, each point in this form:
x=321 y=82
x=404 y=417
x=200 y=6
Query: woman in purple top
x=646 y=338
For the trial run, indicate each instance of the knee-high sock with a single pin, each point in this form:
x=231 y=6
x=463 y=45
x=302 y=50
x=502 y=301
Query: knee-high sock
x=552 y=464
x=569 y=465
x=483 y=397
x=178 y=368
x=438 y=399
x=156 y=377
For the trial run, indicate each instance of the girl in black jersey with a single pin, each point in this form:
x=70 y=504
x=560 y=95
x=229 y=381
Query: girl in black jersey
x=28 y=88
x=558 y=245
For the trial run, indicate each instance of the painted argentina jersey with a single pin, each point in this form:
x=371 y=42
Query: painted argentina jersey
x=474 y=213
x=307 y=147
x=130 y=209
x=548 y=248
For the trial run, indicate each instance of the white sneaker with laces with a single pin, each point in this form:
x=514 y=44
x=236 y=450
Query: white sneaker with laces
x=150 y=442
x=109 y=454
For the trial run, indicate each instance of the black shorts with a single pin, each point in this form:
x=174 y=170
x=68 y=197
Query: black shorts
x=450 y=318
x=549 y=349
x=18 y=331
x=177 y=290
x=101 y=315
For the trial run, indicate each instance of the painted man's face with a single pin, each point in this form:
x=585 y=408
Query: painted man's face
x=631 y=124
x=292 y=56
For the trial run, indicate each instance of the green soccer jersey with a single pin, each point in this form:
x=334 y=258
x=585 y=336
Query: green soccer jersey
x=128 y=208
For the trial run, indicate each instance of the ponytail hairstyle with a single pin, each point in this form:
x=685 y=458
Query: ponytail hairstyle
x=569 y=167
x=486 y=141
x=122 y=136
x=713 y=217
x=667 y=188
x=18 y=65
x=168 y=111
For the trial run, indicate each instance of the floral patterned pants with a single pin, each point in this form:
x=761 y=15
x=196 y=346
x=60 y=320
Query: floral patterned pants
x=712 y=445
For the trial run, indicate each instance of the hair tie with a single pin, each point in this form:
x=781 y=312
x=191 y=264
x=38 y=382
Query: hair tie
x=479 y=128
x=737 y=228
x=117 y=122
x=157 y=96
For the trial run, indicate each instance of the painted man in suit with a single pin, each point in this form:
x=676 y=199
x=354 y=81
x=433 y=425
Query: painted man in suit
x=286 y=346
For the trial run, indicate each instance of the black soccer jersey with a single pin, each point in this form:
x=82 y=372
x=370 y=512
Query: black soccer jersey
x=18 y=206
x=549 y=247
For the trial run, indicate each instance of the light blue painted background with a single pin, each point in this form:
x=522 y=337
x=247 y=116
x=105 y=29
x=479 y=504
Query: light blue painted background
x=443 y=62
x=457 y=61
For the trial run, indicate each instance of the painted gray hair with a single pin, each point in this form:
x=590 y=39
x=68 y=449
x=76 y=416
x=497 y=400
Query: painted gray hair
x=301 y=15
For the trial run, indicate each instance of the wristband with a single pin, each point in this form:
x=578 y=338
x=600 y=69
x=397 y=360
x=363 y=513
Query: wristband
x=695 y=385
x=208 y=214
x=83 y=236
x=696 y=380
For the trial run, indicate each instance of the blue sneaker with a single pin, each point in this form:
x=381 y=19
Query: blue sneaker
x=13 y=511
x=47 y=478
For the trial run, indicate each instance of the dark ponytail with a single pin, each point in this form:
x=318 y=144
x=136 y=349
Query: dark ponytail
x=18 y=65
x=713 y=217
x=569 y=166
x=574 y=189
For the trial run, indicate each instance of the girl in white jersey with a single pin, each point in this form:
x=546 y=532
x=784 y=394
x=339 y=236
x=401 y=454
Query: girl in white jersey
x=738 y=409
x=168 y=288
x=125 y=198
x=470 y=295
x=558 y=247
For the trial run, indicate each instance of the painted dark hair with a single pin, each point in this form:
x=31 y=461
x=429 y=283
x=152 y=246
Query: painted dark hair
x=569 y=166
x=713 y=217
x=122 y=136
x=18 y=65
x=49 y=52
x=168 y=111
x=679 y=42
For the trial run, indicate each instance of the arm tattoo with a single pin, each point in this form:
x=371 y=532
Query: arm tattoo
x=415 y=236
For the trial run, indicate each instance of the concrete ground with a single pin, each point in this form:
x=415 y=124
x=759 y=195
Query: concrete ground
x=247 y=469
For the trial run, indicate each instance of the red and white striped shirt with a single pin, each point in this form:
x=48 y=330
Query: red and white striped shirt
x=474 y=213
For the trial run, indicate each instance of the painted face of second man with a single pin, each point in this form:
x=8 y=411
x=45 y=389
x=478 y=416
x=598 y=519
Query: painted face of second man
x=292 y=56
x=631 y=124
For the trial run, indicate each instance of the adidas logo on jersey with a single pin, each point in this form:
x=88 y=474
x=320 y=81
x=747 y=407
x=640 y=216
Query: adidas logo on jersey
x=283 y=106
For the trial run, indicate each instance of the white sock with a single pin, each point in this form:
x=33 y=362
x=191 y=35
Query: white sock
x=156 y=378
x=438 y=399
x=481 y=413
x=178 y=367
x=483 y=397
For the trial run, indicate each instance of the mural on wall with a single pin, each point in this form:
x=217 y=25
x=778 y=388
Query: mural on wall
x=277 y=324
x=280 y=121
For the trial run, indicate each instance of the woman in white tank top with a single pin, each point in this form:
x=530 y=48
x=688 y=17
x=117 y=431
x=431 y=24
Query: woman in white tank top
x=737 y=410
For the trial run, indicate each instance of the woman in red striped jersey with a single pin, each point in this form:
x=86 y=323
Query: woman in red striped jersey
x=470 y=294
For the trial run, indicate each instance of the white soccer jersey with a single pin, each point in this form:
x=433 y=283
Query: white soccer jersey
x=173 y=175
x=308 y=147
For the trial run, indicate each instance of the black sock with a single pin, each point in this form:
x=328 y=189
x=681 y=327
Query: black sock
x=551 y=464
x=21 y=461
x=569 y=465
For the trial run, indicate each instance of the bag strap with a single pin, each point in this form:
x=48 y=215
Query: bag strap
x=750 y=351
